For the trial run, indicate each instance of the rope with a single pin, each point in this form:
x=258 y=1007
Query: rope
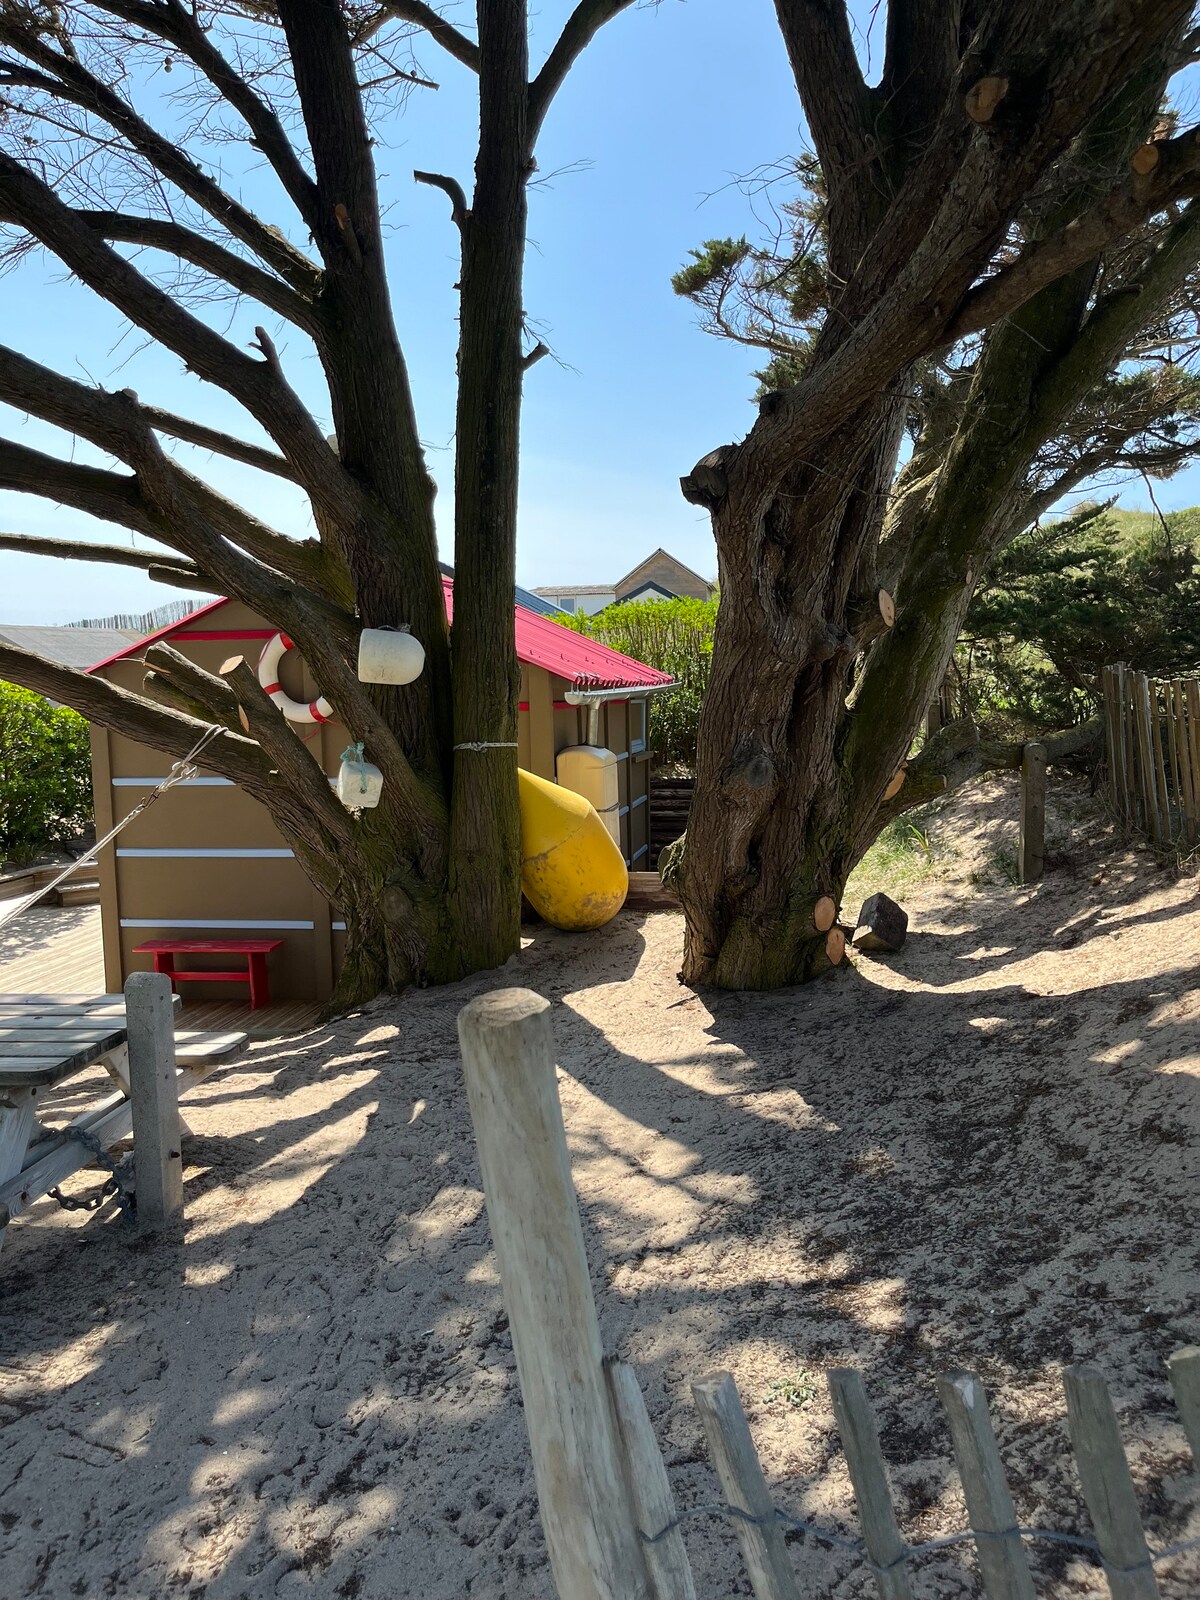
x=179 y=773
x=856 y=1547
x=487 y=744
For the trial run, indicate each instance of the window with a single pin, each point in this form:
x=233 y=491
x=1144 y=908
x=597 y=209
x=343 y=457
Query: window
x=637 y=727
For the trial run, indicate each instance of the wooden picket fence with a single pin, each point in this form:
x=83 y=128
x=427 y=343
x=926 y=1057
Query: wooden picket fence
x=1152 y=733
x=612 y=1528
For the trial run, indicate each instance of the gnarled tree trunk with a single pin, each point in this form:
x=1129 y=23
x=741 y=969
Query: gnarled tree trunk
x=815 y=694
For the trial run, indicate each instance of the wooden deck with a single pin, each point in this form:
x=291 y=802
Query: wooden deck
x=57 y=950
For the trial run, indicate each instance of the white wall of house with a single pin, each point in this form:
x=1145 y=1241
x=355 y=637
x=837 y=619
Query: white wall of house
x=571 y=600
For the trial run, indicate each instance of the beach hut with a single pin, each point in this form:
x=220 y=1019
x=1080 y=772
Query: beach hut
x=207 y=861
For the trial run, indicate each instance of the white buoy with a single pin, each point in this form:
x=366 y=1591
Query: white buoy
x=389 y=655
x=359 y=782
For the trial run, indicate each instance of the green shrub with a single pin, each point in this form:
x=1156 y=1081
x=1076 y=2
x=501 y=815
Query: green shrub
x=674 y=636
x=45 y=774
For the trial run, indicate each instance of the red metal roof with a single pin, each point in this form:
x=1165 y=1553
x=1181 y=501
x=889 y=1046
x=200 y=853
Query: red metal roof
x=540 y=643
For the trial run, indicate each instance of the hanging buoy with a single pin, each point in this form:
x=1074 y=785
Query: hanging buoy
x=273 y=652
x=359 y=782
x=389 y=655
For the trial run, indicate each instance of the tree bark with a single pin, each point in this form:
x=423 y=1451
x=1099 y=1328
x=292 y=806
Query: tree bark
x=812 y=708
x=484 y=821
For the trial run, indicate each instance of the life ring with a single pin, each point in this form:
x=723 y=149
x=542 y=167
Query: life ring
x=273 y=651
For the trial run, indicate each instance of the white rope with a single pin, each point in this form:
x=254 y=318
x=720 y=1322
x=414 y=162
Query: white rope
x=487 y=744
x=179 y=773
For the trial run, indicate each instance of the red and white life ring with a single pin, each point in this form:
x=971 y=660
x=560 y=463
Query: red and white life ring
x=318 y=710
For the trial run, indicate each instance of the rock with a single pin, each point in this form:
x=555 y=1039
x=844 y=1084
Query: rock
x=882 y=925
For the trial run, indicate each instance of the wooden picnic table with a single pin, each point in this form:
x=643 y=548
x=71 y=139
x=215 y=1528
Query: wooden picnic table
x=47 y=1039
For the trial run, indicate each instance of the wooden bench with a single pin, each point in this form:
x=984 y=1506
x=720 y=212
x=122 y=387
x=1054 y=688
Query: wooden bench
x=44 y=1041
x=256 y=952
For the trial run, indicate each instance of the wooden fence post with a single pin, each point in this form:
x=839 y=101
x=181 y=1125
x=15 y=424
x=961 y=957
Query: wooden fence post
x=990 y=1510
x=1107 y=1486
x=1033 y=812
x=508 y=1061
x=868 y=1474
x=649 y=1486
x=768 y=1564
x=1184 y=1368
x=154 y=1098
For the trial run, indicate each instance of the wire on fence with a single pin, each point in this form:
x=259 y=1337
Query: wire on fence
x=856 y=1547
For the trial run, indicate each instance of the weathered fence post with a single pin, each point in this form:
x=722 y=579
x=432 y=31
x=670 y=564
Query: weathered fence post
x=508 y=1061
x=768 y=1564
x=1033 y=812
x=1107 y=1486
x=1184 y=1368
x=649 y=1486
x=990 y=1510
x=868 y=1475
x=154 y=1098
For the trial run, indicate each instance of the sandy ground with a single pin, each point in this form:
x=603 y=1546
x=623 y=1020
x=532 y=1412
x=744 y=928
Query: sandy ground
x=981 y=1153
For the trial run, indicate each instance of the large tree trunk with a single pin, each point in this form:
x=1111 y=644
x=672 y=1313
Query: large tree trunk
x=814 y=699
x=484 y=823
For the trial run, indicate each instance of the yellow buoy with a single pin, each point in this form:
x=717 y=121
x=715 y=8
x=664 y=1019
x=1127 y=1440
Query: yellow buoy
x=572 y=872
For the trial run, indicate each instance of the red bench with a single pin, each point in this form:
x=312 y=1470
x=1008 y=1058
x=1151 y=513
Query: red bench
x=256 y=952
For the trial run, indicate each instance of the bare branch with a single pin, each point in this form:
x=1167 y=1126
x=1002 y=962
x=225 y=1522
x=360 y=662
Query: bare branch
x=180 y=26
x=581 y=27
x=438 y=29
x=231 y=755
x=458 y=201
x=532 y=357
x=32 y=544
x=174 y=239
x=213 y=439
x=65 y=77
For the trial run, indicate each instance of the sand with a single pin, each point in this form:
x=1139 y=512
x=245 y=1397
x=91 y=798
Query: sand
x=980 y=1153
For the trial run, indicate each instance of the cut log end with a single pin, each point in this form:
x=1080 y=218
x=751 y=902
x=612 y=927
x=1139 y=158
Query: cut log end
x=824 y=913
x=243 y=719
x=230 y=664
x=897 y=783
x=1144 y=159
x=835 y=946
x=983 y=97
x=887 y=608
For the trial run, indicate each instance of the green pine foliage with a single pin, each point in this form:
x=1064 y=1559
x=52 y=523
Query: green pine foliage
x=1071 y=596
x=45 y=774
x=674 y=636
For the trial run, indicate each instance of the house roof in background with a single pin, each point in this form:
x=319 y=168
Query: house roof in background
x=667 y=556
x=540 y=643
x=575 y=588
x=80 y=648
x=524 y=597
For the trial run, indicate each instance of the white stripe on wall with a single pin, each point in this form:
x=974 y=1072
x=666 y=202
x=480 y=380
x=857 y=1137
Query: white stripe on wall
x=640 y=801
x=212 y=855
x=206 y=922
x=186 y=783
x=640 y=852
x=338 y=927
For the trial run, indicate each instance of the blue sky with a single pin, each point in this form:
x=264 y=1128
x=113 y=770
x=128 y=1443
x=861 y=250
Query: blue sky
x=667 y=106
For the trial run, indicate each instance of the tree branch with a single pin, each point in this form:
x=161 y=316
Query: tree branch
x=438 y=29
x=223 y=444
x=179 y=25
x=235 y=758
x=459 y=210
x=1175 y=176
x=111 y=496
x=836 y=104
x=581 y=27
x=172 y=238
x=30 y=544
x=67 y=79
